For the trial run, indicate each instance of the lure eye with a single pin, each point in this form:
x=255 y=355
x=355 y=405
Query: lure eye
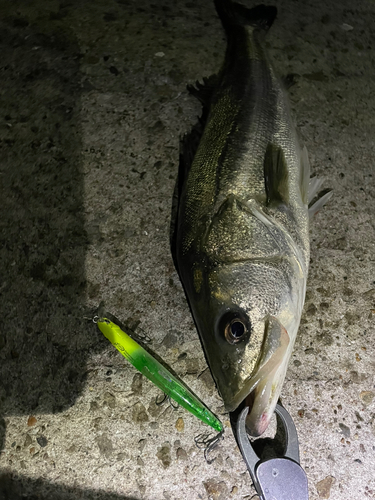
x=235 y=331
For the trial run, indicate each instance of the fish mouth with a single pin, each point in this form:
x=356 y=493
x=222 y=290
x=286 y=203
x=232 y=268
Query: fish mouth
x=261 y=391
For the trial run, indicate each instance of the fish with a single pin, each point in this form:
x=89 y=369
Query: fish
x=241 y=231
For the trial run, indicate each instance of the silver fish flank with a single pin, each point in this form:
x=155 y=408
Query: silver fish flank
x=241 y=240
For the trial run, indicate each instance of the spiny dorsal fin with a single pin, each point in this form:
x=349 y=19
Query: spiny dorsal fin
x=188 y=147
x=275 y=175
x=203 y=91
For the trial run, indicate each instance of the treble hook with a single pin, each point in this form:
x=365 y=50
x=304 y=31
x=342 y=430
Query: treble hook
x=208 y=443
x=164 y=398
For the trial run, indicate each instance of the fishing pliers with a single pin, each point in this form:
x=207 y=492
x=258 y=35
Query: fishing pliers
x=276 y=478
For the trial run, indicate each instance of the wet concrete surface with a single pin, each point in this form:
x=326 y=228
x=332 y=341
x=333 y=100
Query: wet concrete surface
x=94 y=102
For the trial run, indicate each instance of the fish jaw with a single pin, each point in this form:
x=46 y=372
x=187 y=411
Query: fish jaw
x=268 y=378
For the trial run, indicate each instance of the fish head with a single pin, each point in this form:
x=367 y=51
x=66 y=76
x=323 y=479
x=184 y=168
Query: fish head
x=243 y=322
x=247 y=310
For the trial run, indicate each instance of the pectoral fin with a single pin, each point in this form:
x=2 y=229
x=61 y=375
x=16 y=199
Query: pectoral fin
x=320 y=202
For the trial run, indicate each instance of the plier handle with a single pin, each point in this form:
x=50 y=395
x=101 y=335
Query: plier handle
x=276 y=478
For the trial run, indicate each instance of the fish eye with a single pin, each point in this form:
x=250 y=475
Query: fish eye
x=235 y=330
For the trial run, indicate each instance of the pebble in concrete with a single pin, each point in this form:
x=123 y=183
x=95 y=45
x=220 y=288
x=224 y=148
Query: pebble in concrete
x=324 y=487
x=164 y=454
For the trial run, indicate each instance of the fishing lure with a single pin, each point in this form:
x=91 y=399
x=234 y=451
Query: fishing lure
x=154 y=371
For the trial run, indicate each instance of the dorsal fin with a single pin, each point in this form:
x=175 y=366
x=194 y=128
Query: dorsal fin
x=190 y=142
x=203 y=91
x=275 y=175
x=188 y=147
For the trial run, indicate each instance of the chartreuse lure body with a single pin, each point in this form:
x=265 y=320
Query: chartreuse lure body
x=156 y=372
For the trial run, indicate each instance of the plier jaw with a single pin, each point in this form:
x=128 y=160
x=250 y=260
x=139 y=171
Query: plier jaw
x=276 y=478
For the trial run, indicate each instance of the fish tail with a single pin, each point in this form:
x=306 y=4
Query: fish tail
x=233 y=14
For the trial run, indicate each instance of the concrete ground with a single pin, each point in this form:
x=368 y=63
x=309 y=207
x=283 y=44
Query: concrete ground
x=93 y=104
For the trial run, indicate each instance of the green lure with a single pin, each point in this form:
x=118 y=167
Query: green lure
x=156 y=372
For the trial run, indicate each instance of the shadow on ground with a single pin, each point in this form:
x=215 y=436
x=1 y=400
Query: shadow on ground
x=44 y=340
x=14 y=487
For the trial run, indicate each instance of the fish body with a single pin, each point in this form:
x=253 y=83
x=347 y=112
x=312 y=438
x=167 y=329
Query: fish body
x=242 y=230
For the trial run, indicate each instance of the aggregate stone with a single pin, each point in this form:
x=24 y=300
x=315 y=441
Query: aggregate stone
x=109 y=400
x=93 y=406
x=137 y=381
x=180 y=424
x=139 y=413
x=207 y=379
x=155 y=410
x=324 y=487
x=141 y=444
x=105 y=445
x=192 y=366
x=28 y=440
x=216 y=489
x=42 y=441
x=31 y=421
x=164 y=455
x=181 y=454
x=345 y=430
x=170 y=340
x=367 y=396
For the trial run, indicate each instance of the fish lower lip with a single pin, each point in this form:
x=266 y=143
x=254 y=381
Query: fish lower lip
x=257 y=430
x=253 y=431
x=267 y=381
x=248 y=401
x=261 y=423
